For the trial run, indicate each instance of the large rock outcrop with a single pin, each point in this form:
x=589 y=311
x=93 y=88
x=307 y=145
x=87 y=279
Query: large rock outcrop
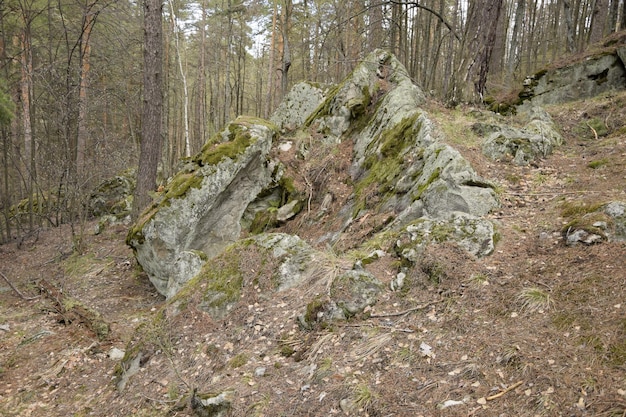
x=603 y=71
x=398 y=152
x=198 y=213
x=398 y=155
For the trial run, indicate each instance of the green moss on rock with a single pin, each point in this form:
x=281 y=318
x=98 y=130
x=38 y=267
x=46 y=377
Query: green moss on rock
x=387 y=163
x=434 y=176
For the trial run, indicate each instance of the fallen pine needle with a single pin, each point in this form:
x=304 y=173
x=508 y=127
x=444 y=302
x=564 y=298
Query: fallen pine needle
x=501 y=393
x=402 y=313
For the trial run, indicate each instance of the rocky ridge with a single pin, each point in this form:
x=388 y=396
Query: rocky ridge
x=367 y=312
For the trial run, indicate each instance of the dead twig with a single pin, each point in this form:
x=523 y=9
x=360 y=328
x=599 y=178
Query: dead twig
x=593 y=130
x=501 y=393
x=410 y=310
x=22 y=296
x=310 y=187
x=554 y=193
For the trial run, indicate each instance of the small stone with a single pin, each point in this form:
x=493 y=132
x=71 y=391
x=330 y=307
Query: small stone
x=449 y=403
x=116 y=354
x=285 y=146
x=260 y=371
x=346 y=405
x=398 y=282
x=287 y=211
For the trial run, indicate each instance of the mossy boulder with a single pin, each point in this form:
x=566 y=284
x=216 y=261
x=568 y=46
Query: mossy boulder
x=113 y=196
x=474 y=234
x=606 y=222
x=537 y=139
x=350 y=293
x=356 y=97
x=293 y=256
x=598 y=73
x=198 y=213
x=268 y=262
x=355 y=290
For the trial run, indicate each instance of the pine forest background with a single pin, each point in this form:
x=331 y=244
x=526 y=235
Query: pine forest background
x=71 y=74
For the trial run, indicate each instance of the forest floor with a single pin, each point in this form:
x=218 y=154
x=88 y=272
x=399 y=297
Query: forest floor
x=536 y=328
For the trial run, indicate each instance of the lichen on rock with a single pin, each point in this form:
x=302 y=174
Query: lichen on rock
x=474 y=234
x=200 y=209
x=297 y=106
x=536 y=140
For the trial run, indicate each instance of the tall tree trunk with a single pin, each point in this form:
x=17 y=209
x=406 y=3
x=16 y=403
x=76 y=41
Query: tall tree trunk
x=598 y=20
x=375 y=27
x=482 y=24
x=613 y=11
x=26 y=99
x=286 y=59
x=513 y=57
x=227 y=70
x=270 y=71
x=6 y=197
x=569 y=25
x=200 y=116
x=6 y=115
x=89 y=20
x=152 y=105
x=183 y=77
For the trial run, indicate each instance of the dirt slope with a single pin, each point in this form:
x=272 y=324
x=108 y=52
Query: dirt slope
x=537 y=328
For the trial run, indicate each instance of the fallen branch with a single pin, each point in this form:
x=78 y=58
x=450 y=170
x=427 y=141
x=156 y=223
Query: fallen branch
x=501 y=393
x=73 y=310
x=22 y=296
x=310 y=187
x=593 y=130
x=402 y=313
x=554 y=193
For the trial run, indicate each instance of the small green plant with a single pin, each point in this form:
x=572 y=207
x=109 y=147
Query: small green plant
x=259 y=407
x=405 y=354
x=172 y=392
x=571 y=209
x=589 y=384
x=598 y=163
x=510 y=356
x=287 y=351
x=563 y=320
x=326 y=364
x=364 y=397
x=513 y=178
x=535 y=299
x=238 y=361
x=617 y=353
x=479 y=279
x=540 y=178
x=324 y=370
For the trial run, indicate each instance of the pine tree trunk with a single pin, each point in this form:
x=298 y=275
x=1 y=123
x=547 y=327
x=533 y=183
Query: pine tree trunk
x=598 y=20
x=152 y=105
x=85 y=65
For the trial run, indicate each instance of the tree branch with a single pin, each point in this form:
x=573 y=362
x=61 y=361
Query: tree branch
x=22 y=296
x=428 y=9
